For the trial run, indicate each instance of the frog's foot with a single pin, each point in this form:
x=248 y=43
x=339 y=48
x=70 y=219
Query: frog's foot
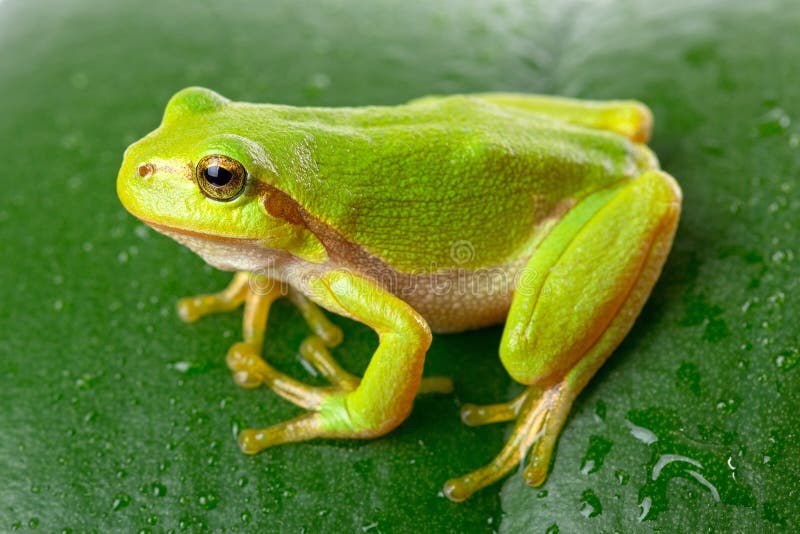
x=539 y=414
x=328 y=406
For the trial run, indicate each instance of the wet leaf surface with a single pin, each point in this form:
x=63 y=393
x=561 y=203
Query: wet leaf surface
x=116 y=416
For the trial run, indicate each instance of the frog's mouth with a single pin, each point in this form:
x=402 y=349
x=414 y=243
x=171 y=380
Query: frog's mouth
x=223 y=252
x=183 y=235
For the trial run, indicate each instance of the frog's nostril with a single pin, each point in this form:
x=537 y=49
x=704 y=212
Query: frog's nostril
x=145 y=170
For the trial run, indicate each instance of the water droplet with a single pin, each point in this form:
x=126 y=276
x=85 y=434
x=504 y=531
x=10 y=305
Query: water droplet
x=775 y=122
x=79 y=80
x=142 y=232
x=788 y=359
x=367 y=528
x=246 y=518
x=706 y=460
x=622 y=477
x=702 y=480
x=716 y=330
x=192 y=367
x=667 y=459
x=152 y=519
x=644 y=435
x=121 y=501
x=33 y=523
x=595 y=455
x=321 y=80
x=552 y=529
x=590 y=504
x=727 y=406
x=157 y=489
x=541 y=494
x=600 y=410
x=645 y=505
x=207 y=501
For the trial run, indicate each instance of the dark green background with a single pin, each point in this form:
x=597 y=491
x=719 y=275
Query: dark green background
x=115 y=416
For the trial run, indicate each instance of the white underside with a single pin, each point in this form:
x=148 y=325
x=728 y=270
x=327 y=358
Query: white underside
x=451 y=301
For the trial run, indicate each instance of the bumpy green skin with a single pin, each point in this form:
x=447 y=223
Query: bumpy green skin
x=560 y=195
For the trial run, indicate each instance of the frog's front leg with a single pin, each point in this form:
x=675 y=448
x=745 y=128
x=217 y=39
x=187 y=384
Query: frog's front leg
x=575 y=302
x=384 y=396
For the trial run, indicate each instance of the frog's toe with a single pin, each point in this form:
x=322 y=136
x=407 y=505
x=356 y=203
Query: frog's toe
x=314 y=350
x=539 y=417
x=319 y=323
x=191 y=309
x=435 y=384
x=250 y=371
x=307 y=426
x=476 y=414
x=246 y=364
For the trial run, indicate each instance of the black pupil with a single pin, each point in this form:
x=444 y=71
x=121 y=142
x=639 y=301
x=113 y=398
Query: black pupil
x=218 y=176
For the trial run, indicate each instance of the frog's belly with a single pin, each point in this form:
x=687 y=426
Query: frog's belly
x=460 y=299
x=450 y=301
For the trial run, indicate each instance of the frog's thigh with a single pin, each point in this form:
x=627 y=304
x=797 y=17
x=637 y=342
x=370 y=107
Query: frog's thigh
x=565 y=323
x=576 y=285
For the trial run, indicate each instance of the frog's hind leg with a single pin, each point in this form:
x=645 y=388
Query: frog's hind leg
x=599 y=267
x=632 y=119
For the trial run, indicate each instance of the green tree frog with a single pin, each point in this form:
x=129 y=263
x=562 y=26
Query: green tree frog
x=441 y=215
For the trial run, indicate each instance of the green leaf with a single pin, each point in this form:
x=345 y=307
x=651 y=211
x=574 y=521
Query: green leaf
x=117 y=417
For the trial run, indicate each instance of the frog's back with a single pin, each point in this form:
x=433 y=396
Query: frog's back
x=455 y=182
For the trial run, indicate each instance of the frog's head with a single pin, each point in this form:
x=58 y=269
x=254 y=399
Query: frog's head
x=198 y=179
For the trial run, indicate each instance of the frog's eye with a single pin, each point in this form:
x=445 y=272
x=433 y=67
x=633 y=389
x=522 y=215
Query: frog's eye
x=220 y=177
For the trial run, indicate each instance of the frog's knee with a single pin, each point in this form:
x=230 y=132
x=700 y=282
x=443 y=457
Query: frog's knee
x=513 y=361
x=556 y=319
x=527 y=366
